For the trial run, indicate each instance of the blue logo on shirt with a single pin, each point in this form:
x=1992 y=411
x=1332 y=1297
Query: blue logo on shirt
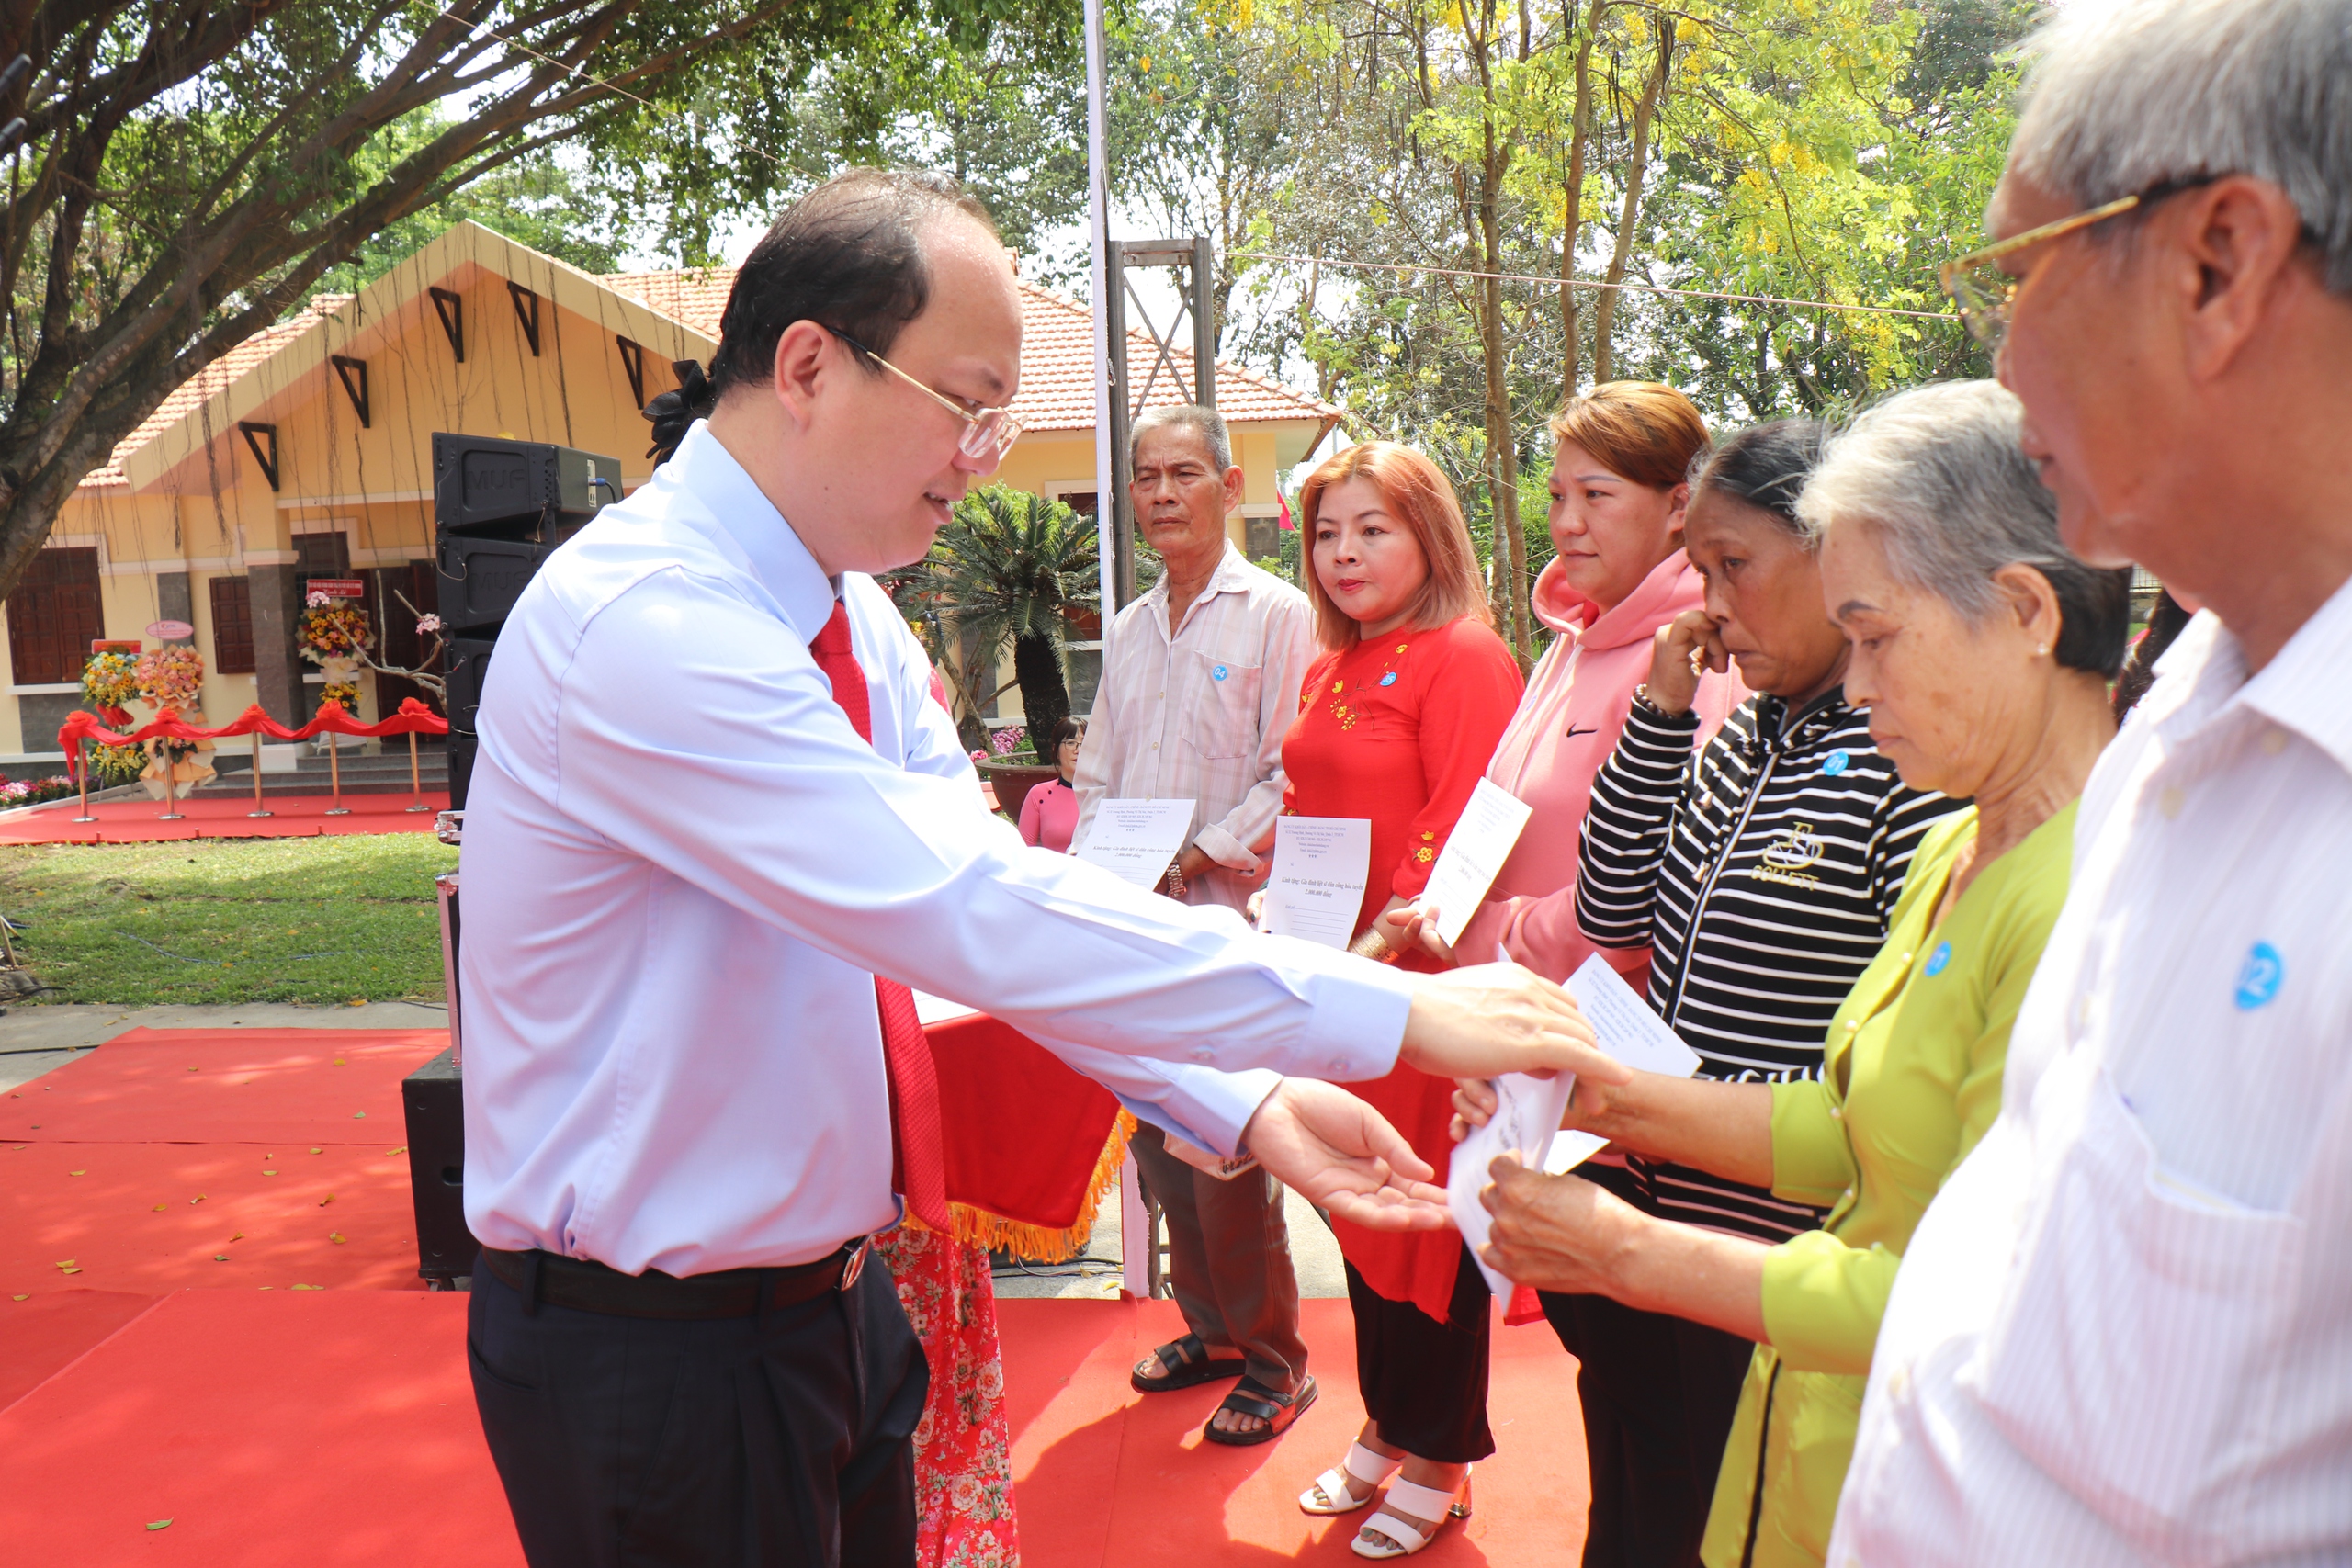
x=1389 y=679
x=2260 y=976
x=1941 y=957
x=1217 y=672
x=1834 y=765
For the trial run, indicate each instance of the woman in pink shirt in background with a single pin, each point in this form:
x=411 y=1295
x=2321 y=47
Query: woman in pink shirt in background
x=1049 y=814
x=1617 y=578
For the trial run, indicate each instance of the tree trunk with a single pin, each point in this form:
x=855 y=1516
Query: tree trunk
x=1484 y=225
x=1044 y=697
x=1572 y=189
x=1604 y=316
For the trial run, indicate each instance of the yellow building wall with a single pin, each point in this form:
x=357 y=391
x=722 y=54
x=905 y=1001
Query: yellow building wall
x=215 y=513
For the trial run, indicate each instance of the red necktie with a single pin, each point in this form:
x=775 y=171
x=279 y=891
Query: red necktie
x=918 y=1163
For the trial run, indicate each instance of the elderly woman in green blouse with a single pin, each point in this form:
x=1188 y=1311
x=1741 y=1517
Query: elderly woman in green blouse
x=1983 y=651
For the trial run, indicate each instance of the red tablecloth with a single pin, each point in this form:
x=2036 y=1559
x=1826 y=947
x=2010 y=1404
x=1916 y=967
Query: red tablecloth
x=1032 y=1146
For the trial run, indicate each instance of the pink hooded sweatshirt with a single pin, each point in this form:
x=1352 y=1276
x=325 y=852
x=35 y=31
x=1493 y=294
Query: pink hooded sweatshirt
x=1565 y=727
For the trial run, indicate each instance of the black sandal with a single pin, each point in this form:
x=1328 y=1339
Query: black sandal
x=1251 y=1397
x=1189 y=1365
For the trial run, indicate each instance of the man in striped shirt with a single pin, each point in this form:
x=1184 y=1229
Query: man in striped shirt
x=2120 y=1335
x=1199 y=681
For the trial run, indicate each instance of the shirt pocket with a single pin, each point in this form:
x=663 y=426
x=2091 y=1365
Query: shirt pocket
x=1224 y=720
x=2137 y=1351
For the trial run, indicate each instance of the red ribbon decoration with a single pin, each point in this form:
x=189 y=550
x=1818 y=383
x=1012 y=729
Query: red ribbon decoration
x=411 y=717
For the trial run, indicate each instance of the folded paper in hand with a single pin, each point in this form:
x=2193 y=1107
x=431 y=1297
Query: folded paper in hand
x=1527 y=1121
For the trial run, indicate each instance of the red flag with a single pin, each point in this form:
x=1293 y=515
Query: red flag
x=1286 y=521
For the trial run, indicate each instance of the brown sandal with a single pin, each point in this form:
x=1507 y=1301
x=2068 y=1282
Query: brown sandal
x=1251 y=1397
x=1189 y=1365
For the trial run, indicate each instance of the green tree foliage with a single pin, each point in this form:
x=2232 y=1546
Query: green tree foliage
x=194 y=168
x=1011 y=568
x=1819 y=150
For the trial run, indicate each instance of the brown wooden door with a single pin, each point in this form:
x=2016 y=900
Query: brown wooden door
x=396 y=638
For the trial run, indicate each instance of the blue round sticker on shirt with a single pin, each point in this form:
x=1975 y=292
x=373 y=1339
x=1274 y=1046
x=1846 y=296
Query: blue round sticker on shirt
x=1389 y=679
x=1834 y=765
x=2259 y=976
x=1938 y=959
x=1217 y=672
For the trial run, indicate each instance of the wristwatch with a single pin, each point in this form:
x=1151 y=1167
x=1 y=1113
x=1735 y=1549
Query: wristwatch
x=1174 y=881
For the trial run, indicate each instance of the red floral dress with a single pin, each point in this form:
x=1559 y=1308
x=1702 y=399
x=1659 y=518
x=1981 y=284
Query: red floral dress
x=963 y=1449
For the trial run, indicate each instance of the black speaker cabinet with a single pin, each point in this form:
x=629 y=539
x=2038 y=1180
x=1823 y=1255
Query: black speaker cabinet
x=469 y=664
x=434 y=1098
x=480 y=578
x=482 y=482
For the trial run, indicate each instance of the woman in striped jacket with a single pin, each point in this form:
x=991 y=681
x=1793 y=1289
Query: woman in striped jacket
x=1762 y=873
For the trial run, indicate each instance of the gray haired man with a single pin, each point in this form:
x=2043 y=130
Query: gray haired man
x=1200 y=679
x=2120 y=1334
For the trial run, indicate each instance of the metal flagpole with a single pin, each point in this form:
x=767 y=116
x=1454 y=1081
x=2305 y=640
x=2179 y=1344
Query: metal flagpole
x=1098 y=215
x=1136 y=1237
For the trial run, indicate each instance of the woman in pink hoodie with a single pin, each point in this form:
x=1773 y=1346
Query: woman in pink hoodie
x=1617 y=576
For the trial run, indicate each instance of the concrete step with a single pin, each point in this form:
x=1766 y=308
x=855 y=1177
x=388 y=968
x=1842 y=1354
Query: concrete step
x=386 y=774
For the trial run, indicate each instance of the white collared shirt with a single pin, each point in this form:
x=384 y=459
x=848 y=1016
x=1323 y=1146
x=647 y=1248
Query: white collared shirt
x=1200 y=715
x=682 y=866
x=2123 y=1333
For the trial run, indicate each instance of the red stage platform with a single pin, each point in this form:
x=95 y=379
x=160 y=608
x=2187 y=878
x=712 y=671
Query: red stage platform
x=338 y=1429
x=169 y=1158
x=271 y=1424
x=219 y=816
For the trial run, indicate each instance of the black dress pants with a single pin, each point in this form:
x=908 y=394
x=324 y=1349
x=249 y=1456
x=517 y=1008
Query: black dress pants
x=773 y=1441
x=1658 y=1394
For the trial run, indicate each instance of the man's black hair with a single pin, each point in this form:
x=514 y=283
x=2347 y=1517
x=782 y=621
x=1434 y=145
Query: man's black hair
x=848 y=255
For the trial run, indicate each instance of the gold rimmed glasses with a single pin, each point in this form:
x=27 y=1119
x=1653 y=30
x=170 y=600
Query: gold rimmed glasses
x=988 y=433
x=1985 y=293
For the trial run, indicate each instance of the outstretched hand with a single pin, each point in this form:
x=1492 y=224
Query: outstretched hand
x=1498 y=1017
x=1409 y=926
x=1342 y=1156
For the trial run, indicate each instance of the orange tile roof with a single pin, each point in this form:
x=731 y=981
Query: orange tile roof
x=1056 y=360
x=212 y=379
x=1057 y=354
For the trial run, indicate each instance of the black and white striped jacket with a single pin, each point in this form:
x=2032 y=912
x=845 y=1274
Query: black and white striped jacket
x=1761 y=874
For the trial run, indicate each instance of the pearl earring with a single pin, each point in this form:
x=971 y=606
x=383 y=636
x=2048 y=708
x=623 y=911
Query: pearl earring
x=2043 y=652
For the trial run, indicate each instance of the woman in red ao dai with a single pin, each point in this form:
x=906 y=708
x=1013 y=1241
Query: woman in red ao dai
x=1397 y=721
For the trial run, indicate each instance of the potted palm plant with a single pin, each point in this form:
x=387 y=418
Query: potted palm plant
x=1008 y=569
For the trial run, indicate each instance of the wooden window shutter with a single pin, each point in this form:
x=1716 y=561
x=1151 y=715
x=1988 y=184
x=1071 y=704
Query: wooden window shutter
x=233 y=625
x=53 y=616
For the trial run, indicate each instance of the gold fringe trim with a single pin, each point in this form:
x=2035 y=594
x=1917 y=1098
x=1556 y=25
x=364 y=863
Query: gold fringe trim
x=1041 y=1244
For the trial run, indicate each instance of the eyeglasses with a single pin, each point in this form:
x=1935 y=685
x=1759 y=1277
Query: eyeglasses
x=987 y=435
x=1985 y=294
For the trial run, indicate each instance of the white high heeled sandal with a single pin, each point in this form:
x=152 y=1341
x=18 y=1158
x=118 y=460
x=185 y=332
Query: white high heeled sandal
x=1392 y=1536
x=1331 y=1494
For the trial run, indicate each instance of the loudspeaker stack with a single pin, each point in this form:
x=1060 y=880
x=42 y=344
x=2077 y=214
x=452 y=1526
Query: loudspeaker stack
x=500 y=509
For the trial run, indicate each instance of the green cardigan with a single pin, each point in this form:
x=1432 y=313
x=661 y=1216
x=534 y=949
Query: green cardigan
x=1911 y=1080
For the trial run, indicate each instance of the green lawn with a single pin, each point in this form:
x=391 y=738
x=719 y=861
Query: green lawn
x=323 y=920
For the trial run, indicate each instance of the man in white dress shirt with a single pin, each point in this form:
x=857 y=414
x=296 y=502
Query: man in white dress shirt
x=2123 y=1333
x=715 y=822
x=1200 y=682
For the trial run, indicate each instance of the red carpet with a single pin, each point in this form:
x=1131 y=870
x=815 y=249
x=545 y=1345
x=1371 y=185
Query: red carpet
x=141 y=1173
x=338 y=1429
x=220 y=817
x=1103 y=1475
x=327 y=1429
x=334 y=1425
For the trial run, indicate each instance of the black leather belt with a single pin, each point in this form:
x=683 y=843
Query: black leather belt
x=544 y=1276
